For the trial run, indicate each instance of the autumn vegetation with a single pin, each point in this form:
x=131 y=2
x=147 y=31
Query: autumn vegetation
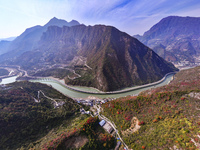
x=26 y=124
x=22 y=120
x=168 y=116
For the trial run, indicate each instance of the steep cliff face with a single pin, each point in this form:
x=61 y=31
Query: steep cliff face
x=180 y=37
x=115 y=59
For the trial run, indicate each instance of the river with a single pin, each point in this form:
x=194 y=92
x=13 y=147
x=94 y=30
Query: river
x=77 y=94
x=8 y=80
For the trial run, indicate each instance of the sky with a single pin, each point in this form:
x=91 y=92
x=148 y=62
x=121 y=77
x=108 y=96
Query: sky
x=130 y=16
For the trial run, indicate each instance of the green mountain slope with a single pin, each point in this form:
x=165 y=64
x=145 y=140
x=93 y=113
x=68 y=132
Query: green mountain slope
x=161 y=118
x=23 y=119
x=28 y=124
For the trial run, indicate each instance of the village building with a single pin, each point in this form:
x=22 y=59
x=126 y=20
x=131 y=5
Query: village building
x=102 y=123
x=108 y=127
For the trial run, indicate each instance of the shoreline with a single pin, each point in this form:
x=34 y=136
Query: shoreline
x=73 y=86
x=110 y=92
x=92 y=90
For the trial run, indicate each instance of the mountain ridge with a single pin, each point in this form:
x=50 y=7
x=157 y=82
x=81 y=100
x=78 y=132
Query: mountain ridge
x=28 y=39
x=160 y=118
x=179 y=36
x=113 y=59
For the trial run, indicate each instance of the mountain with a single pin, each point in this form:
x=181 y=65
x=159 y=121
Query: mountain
x=103 y=56
x=4 y=46
x=30 y=120
x=179 y=37
x=60 y=22
x=26 y=117
x=36 y=116
x=160 y=118
x=8 y=39
x=29 y=38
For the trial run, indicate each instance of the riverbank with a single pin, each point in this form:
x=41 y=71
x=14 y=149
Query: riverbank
x=7 y=80
x=85 y=92
x=76 y=93
x=111 y=92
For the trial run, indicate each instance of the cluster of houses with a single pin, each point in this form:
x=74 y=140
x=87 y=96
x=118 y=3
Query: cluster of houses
x=186 y=64
x=84 y=112
x=91 y=102
x=106 y=125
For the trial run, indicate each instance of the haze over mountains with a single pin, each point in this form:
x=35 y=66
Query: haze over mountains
x=105 y=57
x=7 y=39
x=174 y=38
x=28 y=39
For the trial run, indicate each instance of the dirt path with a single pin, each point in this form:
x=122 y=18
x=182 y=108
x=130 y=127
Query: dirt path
x=134 y=126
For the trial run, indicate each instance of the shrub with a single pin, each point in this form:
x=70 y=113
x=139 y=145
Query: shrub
x=182 y=98
x=141 y=123
x=143 y=147
x=155 y=120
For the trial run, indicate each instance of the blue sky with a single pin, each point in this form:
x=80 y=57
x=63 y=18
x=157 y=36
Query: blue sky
x=131 y=16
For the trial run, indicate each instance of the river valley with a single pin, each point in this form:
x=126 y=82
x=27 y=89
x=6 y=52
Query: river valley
x=84 y=92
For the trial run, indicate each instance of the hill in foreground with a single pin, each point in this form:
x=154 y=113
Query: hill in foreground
x=24 y=118
x=28 y=122
x=161 y=118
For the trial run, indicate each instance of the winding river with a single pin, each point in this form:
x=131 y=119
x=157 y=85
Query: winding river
x=84 y=92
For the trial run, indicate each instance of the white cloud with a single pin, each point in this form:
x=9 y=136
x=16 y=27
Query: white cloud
x=132 y=16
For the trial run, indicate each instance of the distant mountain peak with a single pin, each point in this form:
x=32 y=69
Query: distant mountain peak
x=30 y=37
x=61 y=22
x=74 y=22
x=55 y=21
x=8 y=39
x=179 y=35
x=55 y=18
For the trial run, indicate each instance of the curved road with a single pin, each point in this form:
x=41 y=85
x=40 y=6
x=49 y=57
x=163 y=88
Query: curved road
x=110 y=122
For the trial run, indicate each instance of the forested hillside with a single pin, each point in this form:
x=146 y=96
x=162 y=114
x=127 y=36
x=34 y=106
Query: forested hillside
x=161 y=118
x=24 y=118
